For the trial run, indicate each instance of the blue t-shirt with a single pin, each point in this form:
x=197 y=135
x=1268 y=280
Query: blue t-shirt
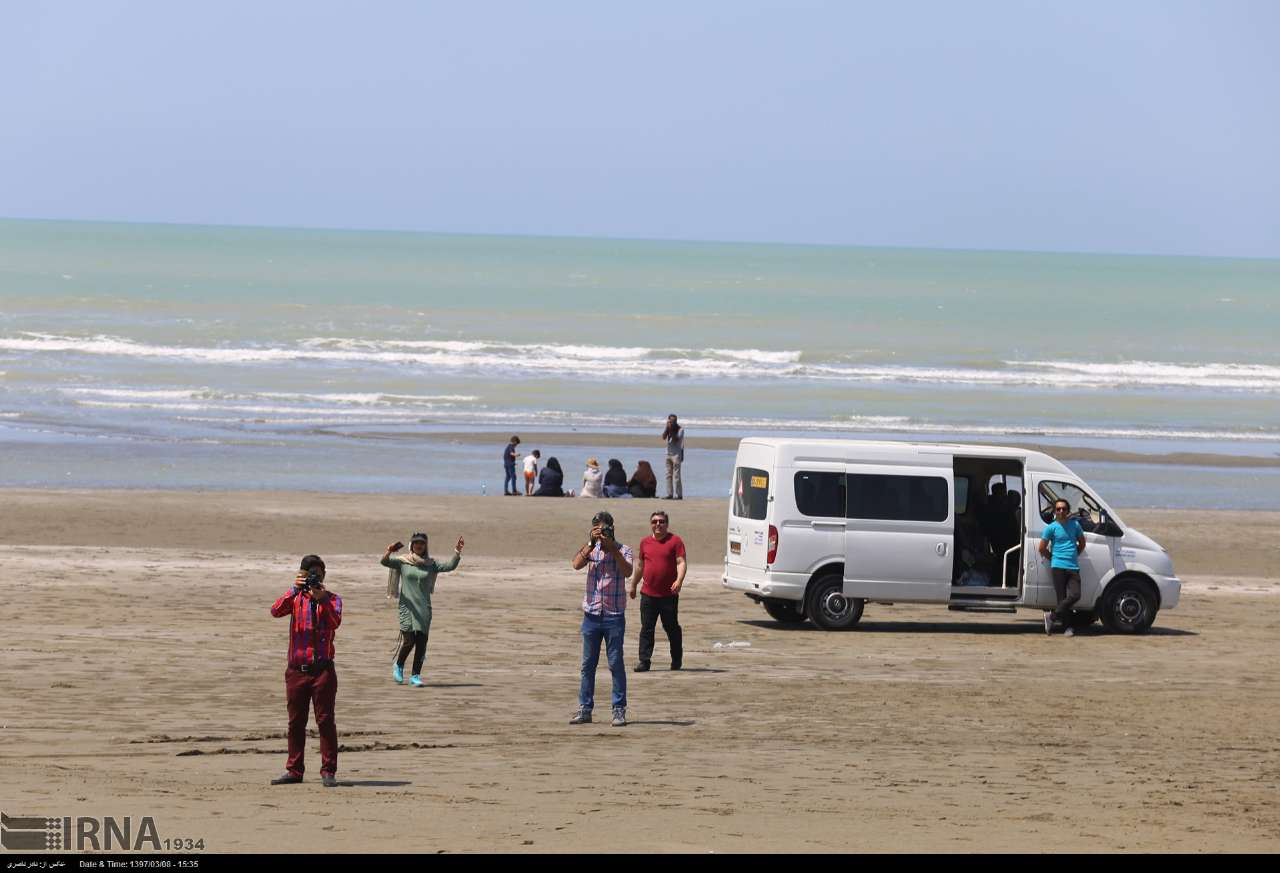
x=1063 y=540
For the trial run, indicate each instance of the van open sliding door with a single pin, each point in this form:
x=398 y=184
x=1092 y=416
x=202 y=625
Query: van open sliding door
x=899 y=533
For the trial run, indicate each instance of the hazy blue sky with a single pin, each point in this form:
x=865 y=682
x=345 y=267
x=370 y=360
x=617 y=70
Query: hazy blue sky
x=1125 y=125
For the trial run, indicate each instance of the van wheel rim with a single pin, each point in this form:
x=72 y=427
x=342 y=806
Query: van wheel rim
x=1129 y=608
x=835 y=605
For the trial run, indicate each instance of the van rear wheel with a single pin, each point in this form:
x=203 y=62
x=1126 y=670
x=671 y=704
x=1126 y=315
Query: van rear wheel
x=1129 y=606
x=827 y=605
x=785 y=611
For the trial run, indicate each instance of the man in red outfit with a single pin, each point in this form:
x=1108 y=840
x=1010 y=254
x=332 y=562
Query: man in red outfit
x=660 y=563
x=310 y=678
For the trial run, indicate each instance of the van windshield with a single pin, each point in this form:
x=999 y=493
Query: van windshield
x=750 y=493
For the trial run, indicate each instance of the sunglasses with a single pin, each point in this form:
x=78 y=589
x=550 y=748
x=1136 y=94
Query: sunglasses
x=657 y=521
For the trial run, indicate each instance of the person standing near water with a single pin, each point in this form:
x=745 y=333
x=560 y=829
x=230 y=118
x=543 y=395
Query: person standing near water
x=674 y=435
x=509 y=468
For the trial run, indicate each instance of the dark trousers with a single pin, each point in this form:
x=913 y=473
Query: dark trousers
x=509 y=482
x=1066 y=584
x=415 y=642
x=668 y=609
x=302 y=691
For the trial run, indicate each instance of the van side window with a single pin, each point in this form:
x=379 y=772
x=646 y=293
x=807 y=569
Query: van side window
x=897 y=498
x=1081 y=506
x=750 y=493
x=820 y=494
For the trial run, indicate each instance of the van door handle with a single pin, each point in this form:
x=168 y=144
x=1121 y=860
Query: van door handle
x=942 y=549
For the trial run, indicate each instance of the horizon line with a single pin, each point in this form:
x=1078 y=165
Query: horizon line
x=635 y=239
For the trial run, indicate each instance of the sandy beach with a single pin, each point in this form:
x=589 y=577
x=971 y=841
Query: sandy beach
x=142 y=675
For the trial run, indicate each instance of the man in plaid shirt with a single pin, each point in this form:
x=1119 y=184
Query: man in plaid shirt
x=604 y=616
x=310 y=679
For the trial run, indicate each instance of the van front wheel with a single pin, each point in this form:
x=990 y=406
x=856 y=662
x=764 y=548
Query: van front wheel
x=785 y=611
x=827 y=605
x=1128 y=606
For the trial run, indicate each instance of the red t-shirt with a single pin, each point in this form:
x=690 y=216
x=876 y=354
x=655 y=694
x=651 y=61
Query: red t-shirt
x=660 y=564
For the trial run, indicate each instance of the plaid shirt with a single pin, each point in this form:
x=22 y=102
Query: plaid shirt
x=312 y=626
x=606 y=587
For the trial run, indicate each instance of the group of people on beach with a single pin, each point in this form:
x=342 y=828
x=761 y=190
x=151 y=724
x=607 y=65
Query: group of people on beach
x=613 y=482
x=655 y=570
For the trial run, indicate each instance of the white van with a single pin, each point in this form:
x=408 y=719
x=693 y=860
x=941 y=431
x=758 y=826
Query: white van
x=817 y=528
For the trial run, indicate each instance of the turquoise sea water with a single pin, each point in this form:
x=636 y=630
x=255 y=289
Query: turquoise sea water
x=173 y=356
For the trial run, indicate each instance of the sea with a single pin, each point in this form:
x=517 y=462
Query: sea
x=141 y=356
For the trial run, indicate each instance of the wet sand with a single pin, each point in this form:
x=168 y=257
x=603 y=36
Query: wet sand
x=141 y=675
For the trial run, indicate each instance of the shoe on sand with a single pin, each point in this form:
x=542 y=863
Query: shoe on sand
x=287 y=779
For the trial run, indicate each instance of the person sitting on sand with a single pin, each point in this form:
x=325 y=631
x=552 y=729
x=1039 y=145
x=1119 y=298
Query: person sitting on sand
x=615 y=480
x=550 y=480
x=592 y=480
x=643 y=482
x=412 y=578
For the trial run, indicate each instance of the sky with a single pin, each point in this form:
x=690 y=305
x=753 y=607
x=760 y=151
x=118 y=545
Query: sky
x=1144 y=126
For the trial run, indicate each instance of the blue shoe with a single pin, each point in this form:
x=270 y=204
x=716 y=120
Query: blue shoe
x=397 y=673
x=416 y=681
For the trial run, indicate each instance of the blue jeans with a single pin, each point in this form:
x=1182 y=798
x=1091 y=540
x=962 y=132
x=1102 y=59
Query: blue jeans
x=609 y=628
x=509 y=482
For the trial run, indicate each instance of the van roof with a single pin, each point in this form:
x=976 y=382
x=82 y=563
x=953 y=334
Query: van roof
x=788 y=450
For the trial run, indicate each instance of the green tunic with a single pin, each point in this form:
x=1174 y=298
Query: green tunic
x=416 y=586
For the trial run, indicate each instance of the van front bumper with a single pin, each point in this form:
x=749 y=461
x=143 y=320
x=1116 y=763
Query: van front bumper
x=775 y=586
x=1170 y=588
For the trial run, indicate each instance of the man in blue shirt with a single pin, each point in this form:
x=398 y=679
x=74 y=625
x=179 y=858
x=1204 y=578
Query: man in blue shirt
x=1062 y=542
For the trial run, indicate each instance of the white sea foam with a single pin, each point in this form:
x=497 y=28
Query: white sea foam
x=369 y=399
x=631 y=363
x=250 y=409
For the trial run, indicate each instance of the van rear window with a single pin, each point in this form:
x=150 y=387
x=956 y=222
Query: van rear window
x=750 y=493
x=897 y=498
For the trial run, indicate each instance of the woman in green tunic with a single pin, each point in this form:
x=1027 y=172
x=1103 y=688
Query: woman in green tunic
x=413 y=578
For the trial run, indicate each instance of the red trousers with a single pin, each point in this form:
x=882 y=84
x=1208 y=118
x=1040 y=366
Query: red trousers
x=302 y=690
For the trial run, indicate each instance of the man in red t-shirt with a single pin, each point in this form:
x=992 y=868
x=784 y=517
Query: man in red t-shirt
x=660 y=563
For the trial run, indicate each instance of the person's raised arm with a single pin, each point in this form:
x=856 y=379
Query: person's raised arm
x=583 y=556
x=612 y=547
x=284 y=606
x=452 y=563
x=386 y=556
